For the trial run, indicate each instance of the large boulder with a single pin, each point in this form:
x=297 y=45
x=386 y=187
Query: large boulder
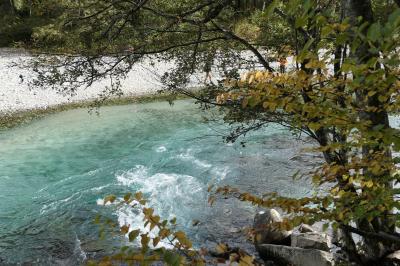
x=311 y=240
x=267 y=231
x=284 y=255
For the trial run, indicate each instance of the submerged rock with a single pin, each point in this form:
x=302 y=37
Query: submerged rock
x=266 y=232
x=295 y=256
x=311 y=240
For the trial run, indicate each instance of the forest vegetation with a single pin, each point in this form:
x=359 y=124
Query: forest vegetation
x=340 y=92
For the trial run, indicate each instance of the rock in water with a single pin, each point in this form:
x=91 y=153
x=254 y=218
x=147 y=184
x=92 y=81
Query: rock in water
x=312 y=240
x=285 y=255
x=268 y=233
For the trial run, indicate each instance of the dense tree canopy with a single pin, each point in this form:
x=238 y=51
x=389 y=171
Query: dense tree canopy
x=20 y=19
x=342 y=87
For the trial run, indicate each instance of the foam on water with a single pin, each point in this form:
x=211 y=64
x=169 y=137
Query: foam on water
x=161 y=149
x=162 y=189
x=188 y=156
x=131 y=177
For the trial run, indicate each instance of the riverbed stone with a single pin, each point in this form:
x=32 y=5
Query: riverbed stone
x=392 y=259
x=311 y=240
x=284 y=255
x=266 y=232
x=305 y=228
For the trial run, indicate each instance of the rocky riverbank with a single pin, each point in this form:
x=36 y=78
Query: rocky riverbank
x=304 y=246
x=16 y=94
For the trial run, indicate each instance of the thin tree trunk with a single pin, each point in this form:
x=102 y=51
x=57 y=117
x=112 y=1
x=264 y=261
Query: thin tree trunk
x=354 y=10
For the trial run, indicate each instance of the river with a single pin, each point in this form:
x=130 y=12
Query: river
x=55 y=172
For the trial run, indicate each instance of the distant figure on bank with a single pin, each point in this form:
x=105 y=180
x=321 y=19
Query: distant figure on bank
x=282 y=64
x=207 y=67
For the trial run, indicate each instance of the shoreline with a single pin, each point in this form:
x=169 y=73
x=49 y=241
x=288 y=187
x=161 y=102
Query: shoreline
x=20 y=103
x=12 y=119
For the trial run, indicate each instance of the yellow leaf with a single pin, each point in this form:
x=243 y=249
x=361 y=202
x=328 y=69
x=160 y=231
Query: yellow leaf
x=251 y=79
x=259 y=75
x=152 y=225
x=148 y=211
x=221 y=248
x=133 y=235
x=138 y=257
x=156 y=219
x=110 y=198
x=127 y=196
x=246 y=260
x=105 y=263
x=156 y=240
x=164 y=233
x=138 y=196
x=369 y=184
x=180 y=235
x=125 y=229
x=145 y=240
x=245 y=102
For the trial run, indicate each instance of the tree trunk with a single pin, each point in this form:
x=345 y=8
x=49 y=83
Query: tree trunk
x=7 y=6
x=354 y=10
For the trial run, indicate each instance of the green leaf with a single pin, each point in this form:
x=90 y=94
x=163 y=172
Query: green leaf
x=326 y=30
x=394 y=18
x=396 y=160
x=374 y=32
x=308 y=44
x=301 y=21
x=325 y=227
x=271 y=7
x=171 y=258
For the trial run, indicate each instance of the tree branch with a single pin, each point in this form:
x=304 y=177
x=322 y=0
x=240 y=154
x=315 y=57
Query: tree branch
x=382 y=236
x=254 y=50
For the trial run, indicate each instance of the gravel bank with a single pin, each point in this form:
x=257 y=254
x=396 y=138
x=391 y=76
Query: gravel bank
x=15 y=95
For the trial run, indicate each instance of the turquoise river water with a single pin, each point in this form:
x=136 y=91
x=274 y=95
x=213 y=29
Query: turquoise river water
x=55 y=171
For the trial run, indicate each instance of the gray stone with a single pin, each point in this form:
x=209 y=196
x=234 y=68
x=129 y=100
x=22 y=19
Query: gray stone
x=266 y=231
x=305 y=228
x=392 y=259
x=296 y=256
x=312 y=240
